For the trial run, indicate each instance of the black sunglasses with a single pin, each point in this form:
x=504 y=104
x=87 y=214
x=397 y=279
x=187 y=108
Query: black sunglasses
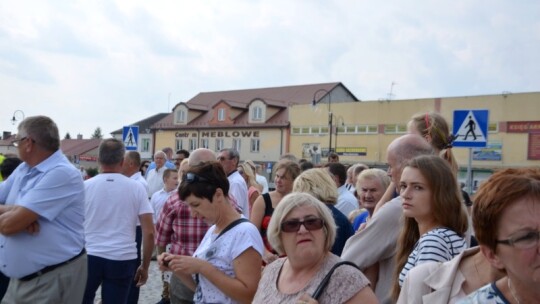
x=309 y=223
x=194 y=178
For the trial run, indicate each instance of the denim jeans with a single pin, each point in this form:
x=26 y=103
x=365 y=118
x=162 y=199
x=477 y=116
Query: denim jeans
x=114 y=276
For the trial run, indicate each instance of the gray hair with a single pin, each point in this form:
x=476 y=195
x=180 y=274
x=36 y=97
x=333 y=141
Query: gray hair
x=111 y=152
x=373 y=174
x=42 y=130
x=289 y=203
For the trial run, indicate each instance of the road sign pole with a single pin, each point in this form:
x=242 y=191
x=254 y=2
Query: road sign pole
x=469 y=173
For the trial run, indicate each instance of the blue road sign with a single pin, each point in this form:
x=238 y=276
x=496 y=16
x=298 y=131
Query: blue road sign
x=130 y=137
x=470 y=128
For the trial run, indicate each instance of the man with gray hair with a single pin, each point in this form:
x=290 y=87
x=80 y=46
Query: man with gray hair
x=41 y=220
x=114 y=202
x=376 y=244
x=154 y=176
x=229 y=159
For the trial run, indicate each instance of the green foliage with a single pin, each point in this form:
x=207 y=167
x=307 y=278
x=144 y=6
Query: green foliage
x=97 y=133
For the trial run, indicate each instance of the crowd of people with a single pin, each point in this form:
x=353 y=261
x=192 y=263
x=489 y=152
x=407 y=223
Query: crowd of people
x=326 y=233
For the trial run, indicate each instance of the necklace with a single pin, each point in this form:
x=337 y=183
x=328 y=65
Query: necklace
x=512 y=291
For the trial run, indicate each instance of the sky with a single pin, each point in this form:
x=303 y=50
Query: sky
x=110 y=63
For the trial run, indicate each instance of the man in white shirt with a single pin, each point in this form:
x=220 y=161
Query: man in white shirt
x=346 y=201
x=229 y=159
x=154 y=177
x=113 y=204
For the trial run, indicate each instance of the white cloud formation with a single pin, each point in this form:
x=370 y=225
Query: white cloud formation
x=111 y=63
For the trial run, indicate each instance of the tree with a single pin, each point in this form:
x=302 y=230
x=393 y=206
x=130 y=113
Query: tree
x=68 y=136
x=97 y=133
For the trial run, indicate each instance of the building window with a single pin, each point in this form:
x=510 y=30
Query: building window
x=180 y=116
x=236 y=144
x=395 y=129
x=145 y=144
x=256 y=113
x=221 y=114
x=204 y=143
x=219 y=144
x=179 y=144
x=255 y=145
x=192 y=144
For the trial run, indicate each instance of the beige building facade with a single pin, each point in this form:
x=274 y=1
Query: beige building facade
x=362 y=131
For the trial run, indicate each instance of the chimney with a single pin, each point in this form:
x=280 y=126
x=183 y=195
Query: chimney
x=6 y=135
x=79 y=136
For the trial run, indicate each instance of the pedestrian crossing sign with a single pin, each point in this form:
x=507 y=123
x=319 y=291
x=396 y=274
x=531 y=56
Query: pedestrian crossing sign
x=130 y=137
x=470 y=128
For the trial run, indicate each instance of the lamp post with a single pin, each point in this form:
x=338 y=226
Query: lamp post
x=14 y=119
x=338 y=119
x=314 y=102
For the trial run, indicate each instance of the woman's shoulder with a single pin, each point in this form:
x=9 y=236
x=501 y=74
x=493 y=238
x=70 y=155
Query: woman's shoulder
x=487 y=294
x=441 y=235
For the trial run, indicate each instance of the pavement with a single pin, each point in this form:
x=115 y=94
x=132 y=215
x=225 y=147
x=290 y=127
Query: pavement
x=150 y=293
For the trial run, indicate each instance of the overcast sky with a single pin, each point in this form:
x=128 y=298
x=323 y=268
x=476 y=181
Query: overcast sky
x=110 y=63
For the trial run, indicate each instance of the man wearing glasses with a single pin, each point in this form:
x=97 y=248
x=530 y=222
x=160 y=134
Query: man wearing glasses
x=41 y=220
x=229 y=159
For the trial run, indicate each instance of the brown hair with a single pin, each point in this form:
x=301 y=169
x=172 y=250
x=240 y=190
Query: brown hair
x=500 y=191
x=435 y=126
x=447 y=209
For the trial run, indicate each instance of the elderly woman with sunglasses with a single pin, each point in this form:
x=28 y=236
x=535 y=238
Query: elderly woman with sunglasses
x=226 y=266
x=303 y=228
x=506 y=220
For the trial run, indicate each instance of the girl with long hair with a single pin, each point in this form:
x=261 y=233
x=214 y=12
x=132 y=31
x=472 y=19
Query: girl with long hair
x=434 y=220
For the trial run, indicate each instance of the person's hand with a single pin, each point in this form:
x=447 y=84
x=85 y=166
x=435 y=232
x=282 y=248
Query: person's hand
x=141 y=276
x=361 y=227
x=163 y=261
x=185 y=264
x=306 y=299
x=33 y=228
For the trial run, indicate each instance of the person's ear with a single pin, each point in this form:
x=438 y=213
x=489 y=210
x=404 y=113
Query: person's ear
x=219 y=194
x=492 y=257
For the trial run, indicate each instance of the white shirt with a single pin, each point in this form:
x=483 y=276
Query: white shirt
x=221 y=253
x=239 y=191
x=346 y=201
x=158 y=200
x=261 y=180
x=112 y=206
x=155 y=180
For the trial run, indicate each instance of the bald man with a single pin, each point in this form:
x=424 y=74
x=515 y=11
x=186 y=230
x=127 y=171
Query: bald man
x=376 y=244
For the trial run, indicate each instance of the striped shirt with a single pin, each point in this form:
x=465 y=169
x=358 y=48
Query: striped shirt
x=437 y=245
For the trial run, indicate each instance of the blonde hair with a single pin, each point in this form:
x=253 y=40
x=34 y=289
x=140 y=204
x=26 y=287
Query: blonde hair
x=433 y=125
x=251 y=181
x=318 y=183
x=298 y=200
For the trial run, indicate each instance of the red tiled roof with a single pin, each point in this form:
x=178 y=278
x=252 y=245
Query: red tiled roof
x=78 y=146
x=282 y=97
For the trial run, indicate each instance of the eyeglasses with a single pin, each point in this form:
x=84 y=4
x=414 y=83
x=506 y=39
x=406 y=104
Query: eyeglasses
x=309 y=223
x=522 y=240
x=222 y=158
x=15 y=143
x=194 y=178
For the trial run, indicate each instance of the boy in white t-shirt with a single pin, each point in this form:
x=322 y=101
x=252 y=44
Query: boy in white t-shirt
x=170 y=183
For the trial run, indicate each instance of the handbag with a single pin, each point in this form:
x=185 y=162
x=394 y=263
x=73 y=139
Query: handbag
x=326 y=279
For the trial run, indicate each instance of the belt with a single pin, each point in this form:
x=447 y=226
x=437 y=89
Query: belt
x=51 y=268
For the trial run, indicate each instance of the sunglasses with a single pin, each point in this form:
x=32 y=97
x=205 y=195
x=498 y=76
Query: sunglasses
x=194 y=178
x=310 y=224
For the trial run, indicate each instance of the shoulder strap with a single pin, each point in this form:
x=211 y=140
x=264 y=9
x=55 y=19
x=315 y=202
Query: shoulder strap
x=267 y=204
x=326 y=279
x=231 y=225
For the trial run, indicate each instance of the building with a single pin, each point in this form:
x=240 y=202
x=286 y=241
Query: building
x=146 y=140
x=362 y=131
x=255 y=122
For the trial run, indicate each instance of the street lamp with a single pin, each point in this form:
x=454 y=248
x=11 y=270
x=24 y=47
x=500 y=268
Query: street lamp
x=314 y=102
x=21 y=115
x=338 y=119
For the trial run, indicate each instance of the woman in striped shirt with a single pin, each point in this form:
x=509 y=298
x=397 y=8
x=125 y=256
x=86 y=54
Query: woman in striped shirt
x=435 y=220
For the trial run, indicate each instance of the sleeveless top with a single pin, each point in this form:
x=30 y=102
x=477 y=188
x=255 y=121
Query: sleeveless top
x=268 y=210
